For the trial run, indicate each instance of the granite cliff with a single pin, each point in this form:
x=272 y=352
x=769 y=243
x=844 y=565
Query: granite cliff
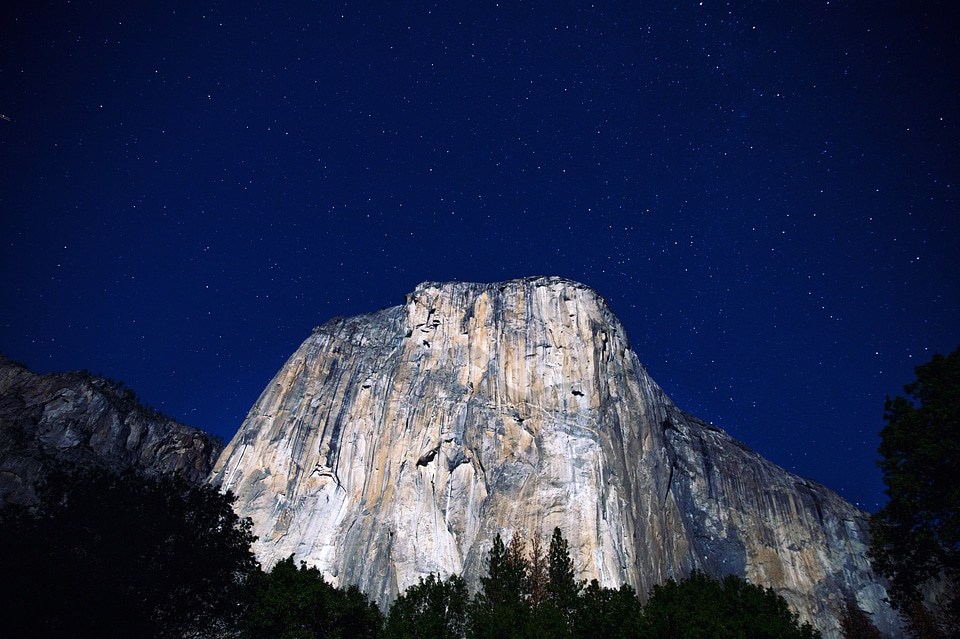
x=398 y=443
x=86 y=420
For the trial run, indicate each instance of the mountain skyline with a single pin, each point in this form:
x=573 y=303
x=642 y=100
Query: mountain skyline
x=764 y=194
x=399 y=443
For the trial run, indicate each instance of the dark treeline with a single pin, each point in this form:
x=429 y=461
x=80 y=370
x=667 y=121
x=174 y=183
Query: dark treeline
x=536 y=595
x=111 y=555
x=106 y=555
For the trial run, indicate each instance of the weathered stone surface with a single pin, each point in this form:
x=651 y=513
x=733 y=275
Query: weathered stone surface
x=396 y=444
x=79 y=418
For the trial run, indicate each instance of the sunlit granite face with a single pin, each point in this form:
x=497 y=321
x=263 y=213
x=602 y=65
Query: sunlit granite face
x=396 y=444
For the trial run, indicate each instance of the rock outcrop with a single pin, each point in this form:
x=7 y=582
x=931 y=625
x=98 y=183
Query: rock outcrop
x=398 y=443
x=88 y=421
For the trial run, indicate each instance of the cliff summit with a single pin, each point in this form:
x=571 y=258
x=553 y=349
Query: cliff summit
x=399 y=443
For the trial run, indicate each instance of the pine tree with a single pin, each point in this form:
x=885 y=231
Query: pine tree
x=432 y=608
x=916 y=535
x=500 y=609
x=563 y=589
x=539 y=574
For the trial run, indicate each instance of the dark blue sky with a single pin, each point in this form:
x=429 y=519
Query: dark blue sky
x=765 y=192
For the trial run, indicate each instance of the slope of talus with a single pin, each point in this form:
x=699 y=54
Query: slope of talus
x=396 y=444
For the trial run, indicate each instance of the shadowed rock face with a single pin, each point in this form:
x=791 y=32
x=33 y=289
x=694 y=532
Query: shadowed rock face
x=82 y=419
x=396 y=444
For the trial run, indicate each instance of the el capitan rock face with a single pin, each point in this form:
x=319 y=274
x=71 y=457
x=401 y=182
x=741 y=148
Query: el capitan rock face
x=88 y=421
x=398 y=443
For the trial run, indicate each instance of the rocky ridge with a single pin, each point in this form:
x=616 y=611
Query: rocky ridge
x=78 y=418
x=396 y=444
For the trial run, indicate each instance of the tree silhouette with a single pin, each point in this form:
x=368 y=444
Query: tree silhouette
x=298 y=603
x=916 y=535
x=608 y=613
x=111 y=555
x=500 y=608
x=431 y=609
x=563 y=588
x=702 y=608
x=855 y=624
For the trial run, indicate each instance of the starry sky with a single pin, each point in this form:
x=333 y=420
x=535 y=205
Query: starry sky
x=765 y=192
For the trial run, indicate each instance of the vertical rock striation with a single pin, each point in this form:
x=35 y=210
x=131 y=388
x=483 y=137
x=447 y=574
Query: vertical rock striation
x=396 y=444
x=85 y=420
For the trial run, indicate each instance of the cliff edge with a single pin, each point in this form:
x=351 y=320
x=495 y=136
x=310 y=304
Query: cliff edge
x=396 y=444
x=85 y=420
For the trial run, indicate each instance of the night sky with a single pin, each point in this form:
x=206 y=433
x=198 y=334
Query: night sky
x=765 y=192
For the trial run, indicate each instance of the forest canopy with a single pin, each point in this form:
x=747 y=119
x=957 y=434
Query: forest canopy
x=125 y=555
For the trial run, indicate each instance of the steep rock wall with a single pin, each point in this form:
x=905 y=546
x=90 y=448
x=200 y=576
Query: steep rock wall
x=396 y=444
x=82 y=419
